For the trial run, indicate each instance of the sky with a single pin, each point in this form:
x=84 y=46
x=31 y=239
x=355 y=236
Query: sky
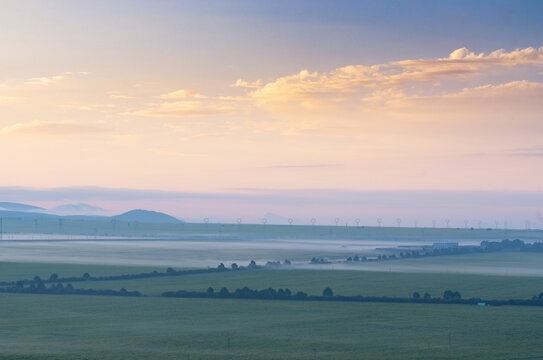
x=236 y=104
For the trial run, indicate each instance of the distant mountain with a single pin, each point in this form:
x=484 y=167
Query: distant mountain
x=76 y=209
x=146 y=216
x=18 y=207
x=133 y=215
x=26 y=215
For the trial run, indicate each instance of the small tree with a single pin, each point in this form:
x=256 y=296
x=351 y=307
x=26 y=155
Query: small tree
x=224 y=292
x=252 y=264
x=427 y=296
x=327 y=292
x=288 y=292
x=53 y=276
x=170 y=271
x=450 y=295
x=221 y=267
x=286 y=262
x=86 y=276
x=234 y=266
x=416 y=295
x=210 y=291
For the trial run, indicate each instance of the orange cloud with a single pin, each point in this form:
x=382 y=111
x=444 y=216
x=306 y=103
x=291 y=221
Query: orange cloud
x=310 y=89
x=44 y=80
x=182 y=94
x=186 y=109
x=117 y=96
x=244 y=84
x=52 y=129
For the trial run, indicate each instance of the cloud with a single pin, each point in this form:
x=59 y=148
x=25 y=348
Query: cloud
x=162 y=151
x=527 y=153
x=6 y=99
x=52 y=128
x=461 y=63
x=207 y=135
x=182 y=94
x=521 y=153
x=117 y=96
x=306 y=166
x=398 y=198
x=244 y=84
x=514 y=88
x=352 y=96
x=188 y=108
x=515 y=97
x=88 y=107
x=44 y=80
x=311 y=89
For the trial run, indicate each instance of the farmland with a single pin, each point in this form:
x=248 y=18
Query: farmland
x=150 y=326
x=68 y=327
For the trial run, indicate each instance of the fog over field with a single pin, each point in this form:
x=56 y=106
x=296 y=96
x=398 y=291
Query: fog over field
x=184 y=253
x=209 y=253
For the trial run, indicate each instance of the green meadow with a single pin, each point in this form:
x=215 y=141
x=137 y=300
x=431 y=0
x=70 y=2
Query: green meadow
x=343 y=282
x=85 y=327
x=98 y=327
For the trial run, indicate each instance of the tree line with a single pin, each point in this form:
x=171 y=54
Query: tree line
x=60 y=289
x=484 y=247
x=448 y=297
x=55 y=278
x=511 y=245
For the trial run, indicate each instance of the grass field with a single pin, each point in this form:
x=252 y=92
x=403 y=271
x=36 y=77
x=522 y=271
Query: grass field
x=342 y=282
x=11 y=271
x=389 y=278
x=79 y=327
x=93 y=327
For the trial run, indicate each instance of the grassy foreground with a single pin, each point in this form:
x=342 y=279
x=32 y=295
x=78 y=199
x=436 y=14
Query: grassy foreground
x=78 y=327
x=95 y=327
